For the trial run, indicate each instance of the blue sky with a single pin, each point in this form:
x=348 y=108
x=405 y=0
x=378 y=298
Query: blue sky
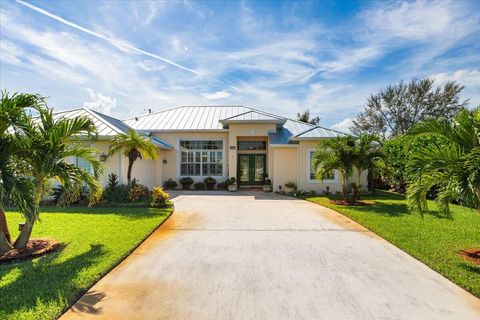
x=124 y=57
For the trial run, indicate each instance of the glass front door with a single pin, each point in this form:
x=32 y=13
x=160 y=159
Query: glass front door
x=251 y=169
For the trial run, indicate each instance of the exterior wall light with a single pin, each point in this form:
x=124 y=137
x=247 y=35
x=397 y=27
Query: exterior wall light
x=165 y=161
x=103 y=157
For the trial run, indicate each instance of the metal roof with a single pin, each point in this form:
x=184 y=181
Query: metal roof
x=253 y=116
x=106 y=125
x=317 y=132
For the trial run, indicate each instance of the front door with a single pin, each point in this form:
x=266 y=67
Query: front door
x=251 y=169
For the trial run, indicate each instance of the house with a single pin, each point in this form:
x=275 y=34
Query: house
x=219 y=142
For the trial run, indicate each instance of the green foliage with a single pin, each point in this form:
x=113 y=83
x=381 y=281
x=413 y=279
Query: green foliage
x=170 y=184
x=305 y=117
x=291 y=184
x=395 y=109
x=210 y=183
x=112 y=181
x=230 y=181
x=432 y=240
x=96 y=239
x=160 y=199
x=452 y=164
x=186 y=182
x=138 y=192
x=117 y=195
x=199 y=186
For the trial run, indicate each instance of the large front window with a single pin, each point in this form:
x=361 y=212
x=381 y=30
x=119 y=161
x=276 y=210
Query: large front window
x=201 y=158
x=327 y=178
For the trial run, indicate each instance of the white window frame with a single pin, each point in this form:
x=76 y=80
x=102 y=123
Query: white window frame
x=201 y=176
x=309 y=166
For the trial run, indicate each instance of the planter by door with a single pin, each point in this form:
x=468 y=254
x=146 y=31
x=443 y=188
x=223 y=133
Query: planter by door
x=251 y=169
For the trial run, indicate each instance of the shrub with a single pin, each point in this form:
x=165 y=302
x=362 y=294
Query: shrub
x=186 y=182
x=210 y=183
x=230 y=181
x=199 y=186
x=138 y=192
x=119 y=194
x=112 y=181
x=222 y=186
x=170 y=184
x=291 y=184
x=267 y=182
x=160 y=199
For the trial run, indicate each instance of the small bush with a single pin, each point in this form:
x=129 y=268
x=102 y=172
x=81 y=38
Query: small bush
x=138 y=192
x=112 y=181
x=210 y=183
x=117 y=195
x=267 y=182
x=186 y=182
x=291 y=184
x=170 y=184
x=199 y=186
x=230 y=181
x=160 y=199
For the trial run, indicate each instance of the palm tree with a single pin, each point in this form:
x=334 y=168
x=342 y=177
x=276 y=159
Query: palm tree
x=335 y=154
x=14 y=184
x=133 y=145
x=305 y=117
x=52 y=142
x=365 y=157
x=452 y=166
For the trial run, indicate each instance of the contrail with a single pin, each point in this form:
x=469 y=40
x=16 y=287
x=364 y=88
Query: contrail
x=117 y=43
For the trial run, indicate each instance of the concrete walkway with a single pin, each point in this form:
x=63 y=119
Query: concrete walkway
x=257 y=256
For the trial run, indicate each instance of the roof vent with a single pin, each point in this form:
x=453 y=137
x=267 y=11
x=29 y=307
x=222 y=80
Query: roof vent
x=136 y=118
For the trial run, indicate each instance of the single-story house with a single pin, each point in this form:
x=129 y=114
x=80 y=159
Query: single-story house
x=218 y=142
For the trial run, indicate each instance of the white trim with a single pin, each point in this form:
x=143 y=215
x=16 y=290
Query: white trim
x=329 y=181
x=277 y=145
x=224 y=158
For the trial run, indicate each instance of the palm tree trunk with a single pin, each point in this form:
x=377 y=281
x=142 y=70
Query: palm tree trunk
x=24 y=236
x=344 y=186
x=129 y=171
x=5 y=245
x=4 y=225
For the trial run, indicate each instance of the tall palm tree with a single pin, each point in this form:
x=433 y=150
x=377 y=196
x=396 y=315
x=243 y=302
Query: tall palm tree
x=52 y=142
x=305 y=117
x=452 y=166
x=335 y=154
x=14 y=183
x=133 y=146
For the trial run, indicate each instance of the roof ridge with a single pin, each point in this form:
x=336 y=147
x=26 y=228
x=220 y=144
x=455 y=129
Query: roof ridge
x=97 y=114
x=236 y=115
x=305 y=131
x=149 y=114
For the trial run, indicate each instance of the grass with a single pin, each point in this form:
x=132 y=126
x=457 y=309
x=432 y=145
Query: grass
x=96 y=240
x=433 y=240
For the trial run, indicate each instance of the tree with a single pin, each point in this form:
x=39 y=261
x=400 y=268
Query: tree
x=395 y=109
x=365 y=155
x=15 y=185
x=452 y=166
x=305 y=117
x=335 y=154
x=133 y=146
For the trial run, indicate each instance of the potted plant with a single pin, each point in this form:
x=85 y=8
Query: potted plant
x=290 y=187
x=186 y=182
x=210 y=183
x=231 y=184
x=170 y=184
x=267 y=185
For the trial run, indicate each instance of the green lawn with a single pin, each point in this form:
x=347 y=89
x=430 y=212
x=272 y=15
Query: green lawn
x=434 y=240
x=96 y=240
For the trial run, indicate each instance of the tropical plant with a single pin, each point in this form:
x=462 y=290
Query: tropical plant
x=117 y=195
x=133 y=145
x=160 y=199
x=395 y=109
x=199 y=186
x=305 y=117
x=186 y=182
x=15 y=184
x=335 y=154
x=210 y=183
x=137 y=192
x=452 y=166
x=365 y=156
x=231 y=181
x=170 y=184
x=112 y=181
x=291 y=184
x=52 y=142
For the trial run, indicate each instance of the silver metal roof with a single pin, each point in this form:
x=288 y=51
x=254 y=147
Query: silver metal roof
x=106 y=125
x=254 y=116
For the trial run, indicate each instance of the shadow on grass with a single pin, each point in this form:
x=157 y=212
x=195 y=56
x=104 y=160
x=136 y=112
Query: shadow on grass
x=45 y=281
x=130 y=213
x=471 y=267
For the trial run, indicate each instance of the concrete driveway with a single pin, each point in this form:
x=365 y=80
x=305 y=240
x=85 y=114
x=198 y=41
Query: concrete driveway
x=258 y=256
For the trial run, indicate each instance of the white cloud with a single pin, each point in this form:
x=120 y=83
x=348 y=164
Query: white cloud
x=470 y=78
x=217 y=95
x=343 y=126
x=101 y=103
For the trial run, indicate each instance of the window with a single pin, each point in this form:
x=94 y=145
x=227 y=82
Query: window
x=83 y=164
x=252 y=145
x=312 y=175
x=201 y=158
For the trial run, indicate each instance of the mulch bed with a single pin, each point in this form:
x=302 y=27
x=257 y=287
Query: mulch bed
x=347 y=203
x=34 y=248
x=472 y=255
